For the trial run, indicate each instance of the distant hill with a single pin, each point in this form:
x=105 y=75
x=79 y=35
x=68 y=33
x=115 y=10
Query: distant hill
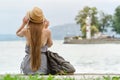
x=9 y=37
x=60 y=31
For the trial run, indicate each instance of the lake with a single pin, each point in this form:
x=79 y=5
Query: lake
x=86 y=58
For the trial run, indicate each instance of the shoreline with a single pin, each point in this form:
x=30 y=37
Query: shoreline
x=69 y=40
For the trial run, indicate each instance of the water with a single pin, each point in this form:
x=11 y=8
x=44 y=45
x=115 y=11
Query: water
x=88 y=58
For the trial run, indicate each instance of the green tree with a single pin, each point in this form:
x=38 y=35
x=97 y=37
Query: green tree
x=93 y=30
x=81 y=17
x=104 y=22
x=116 y=20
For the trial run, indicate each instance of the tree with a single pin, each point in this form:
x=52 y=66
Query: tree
x=116 y=20
x=104 y=22
x=81 y=17
x=93 y=30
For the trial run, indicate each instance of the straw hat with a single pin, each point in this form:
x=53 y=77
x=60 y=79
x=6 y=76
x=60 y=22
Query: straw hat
x=36 y=15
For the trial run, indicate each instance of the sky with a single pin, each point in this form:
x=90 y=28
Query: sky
x=58 y=12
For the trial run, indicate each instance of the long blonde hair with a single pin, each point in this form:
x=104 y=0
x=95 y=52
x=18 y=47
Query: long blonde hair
x=35 y=44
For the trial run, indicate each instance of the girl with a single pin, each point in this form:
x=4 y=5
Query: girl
x=38 y=39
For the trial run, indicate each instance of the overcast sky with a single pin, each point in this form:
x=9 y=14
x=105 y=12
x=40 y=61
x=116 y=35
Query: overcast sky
x=58 y=12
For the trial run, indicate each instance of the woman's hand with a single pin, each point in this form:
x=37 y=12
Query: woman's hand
x=25 y=20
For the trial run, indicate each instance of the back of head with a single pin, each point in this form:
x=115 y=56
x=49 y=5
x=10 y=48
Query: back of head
x=36 y=25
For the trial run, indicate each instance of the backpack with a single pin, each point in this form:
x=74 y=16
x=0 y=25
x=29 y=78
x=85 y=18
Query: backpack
x=58 y=65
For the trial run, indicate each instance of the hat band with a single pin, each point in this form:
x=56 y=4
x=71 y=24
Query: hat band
x=36 y=21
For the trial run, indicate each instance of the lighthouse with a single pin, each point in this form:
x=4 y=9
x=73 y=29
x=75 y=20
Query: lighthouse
x=88 y=29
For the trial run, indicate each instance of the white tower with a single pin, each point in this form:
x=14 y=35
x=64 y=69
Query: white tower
x=88 y=25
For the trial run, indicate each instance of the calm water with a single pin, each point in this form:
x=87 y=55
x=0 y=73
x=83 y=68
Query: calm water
x=88 y=58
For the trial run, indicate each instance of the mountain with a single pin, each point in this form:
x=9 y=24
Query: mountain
x=9 y=37
x=60 y=31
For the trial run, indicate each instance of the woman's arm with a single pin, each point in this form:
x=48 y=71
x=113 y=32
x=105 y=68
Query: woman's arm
x=20 y=31
x=49 y=41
